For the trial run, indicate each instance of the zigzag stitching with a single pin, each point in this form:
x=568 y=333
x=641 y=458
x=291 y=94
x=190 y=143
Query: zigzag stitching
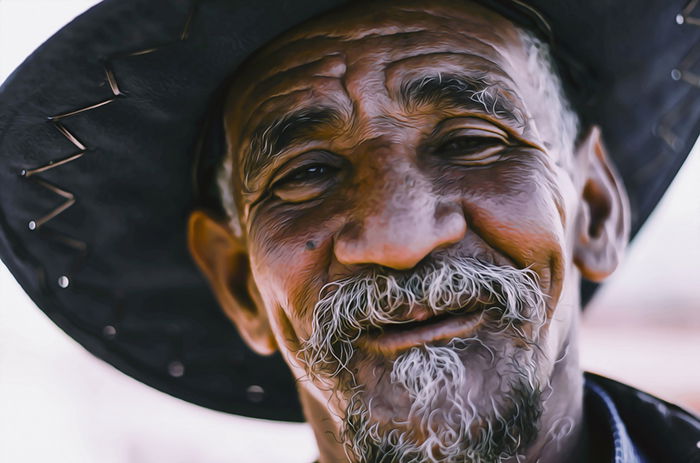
x=685 y=15
x=69 y=197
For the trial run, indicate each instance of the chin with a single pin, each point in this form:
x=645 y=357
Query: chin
x=466 y=400
x=444 y=364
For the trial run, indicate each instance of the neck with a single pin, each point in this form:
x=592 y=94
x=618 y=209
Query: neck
x=325 y=425
x=561 y=425
x=560 y=436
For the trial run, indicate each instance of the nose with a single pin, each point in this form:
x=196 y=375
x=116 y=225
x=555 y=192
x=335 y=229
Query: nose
x=399 y=229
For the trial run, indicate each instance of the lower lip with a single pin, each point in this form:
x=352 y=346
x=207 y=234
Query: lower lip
x=396 y=339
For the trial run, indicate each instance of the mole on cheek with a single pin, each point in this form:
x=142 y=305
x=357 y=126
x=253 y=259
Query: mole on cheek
x=310 y=245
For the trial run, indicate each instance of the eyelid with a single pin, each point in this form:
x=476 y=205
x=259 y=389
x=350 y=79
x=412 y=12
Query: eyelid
x=301 y=161
x=470 y=126
x=283 y=173
x=301 y=194
x=475 y=133
x=303 y=191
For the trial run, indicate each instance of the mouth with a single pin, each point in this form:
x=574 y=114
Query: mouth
x=423 y=328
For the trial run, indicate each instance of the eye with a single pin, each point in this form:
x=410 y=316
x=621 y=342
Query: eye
x=472 y=149
x=312 y=173
x=305 y=183
x=468 y=145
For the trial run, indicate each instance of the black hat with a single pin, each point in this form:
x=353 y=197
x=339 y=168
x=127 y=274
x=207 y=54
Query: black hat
x=101 y=162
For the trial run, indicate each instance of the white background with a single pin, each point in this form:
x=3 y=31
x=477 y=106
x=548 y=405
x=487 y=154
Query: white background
x=59 y=404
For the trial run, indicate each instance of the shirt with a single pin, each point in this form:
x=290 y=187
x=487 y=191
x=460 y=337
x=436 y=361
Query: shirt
x=641 y=428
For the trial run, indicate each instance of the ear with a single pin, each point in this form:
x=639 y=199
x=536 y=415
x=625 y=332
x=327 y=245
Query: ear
x=223 y=259
x=602 y=225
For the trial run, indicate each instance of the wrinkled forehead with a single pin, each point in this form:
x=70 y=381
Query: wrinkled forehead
x=367 y=50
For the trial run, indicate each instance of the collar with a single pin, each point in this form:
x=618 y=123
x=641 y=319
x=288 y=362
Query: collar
x=600 y=404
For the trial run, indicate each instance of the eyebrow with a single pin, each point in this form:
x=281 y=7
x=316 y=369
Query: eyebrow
x=462 y=91
x=273 y=136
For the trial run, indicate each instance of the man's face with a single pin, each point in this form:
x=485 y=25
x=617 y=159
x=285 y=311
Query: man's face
x=407 y=213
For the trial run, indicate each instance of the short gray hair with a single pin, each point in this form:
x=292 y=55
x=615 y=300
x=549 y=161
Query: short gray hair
x=549 y=84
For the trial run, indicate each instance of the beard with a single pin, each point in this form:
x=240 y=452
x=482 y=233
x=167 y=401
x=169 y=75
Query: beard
x=476 y=399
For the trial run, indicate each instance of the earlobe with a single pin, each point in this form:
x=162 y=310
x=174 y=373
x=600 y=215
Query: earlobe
x=602 y=226
x=223 y=259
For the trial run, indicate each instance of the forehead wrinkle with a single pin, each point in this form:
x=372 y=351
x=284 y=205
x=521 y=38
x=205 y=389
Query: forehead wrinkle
x=358 y=34
x=311 y=47
x=333 y=61
x=394 y=45
x=277 y=80
x=360 y=21
x=281 y=101
x=306 y=45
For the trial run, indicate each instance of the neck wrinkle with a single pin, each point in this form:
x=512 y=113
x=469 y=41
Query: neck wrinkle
x=563 y=409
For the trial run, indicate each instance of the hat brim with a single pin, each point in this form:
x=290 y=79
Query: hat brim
x=99 y=133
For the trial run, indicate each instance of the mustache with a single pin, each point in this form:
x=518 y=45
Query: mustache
x=376 y=297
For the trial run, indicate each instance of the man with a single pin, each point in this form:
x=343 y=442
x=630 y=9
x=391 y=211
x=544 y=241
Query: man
x=417 y=206
x=411 y=202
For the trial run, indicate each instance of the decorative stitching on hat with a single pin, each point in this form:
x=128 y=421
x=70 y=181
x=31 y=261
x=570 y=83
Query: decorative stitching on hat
x=685 y=15
x=537 y=16
x=70 y=198
x=684 y=67
x=682 y=72
x=175 y=367
x=69 y=201
x=664 y=131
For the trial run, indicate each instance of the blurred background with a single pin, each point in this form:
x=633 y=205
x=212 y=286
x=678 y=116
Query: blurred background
x=60 y=404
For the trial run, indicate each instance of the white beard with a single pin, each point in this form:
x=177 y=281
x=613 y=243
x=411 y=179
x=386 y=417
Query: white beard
x=449 y=419
x=474 y=400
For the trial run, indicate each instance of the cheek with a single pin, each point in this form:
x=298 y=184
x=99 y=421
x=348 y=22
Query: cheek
x=290 y=265
x=516 y=208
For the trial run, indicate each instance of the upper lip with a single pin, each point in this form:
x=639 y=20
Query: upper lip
x=420 y=325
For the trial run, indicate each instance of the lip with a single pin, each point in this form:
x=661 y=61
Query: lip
x=421 y=330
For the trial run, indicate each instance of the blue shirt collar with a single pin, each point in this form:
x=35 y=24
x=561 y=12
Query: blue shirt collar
x=624 y=450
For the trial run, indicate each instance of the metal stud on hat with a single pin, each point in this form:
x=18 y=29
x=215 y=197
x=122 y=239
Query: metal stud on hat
x=97 y=157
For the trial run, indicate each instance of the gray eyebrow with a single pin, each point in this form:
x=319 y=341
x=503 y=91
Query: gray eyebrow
x=463 y=91
x=273 y=136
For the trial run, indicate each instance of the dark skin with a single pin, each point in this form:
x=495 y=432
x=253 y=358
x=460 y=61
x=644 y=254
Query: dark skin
x=363 y=175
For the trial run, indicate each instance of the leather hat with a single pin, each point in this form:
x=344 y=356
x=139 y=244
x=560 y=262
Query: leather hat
x=110 y=132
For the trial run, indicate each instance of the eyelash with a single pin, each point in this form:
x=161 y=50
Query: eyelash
x=476 y=144
x=301 y=174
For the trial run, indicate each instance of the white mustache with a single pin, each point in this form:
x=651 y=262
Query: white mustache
x=350 y=306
